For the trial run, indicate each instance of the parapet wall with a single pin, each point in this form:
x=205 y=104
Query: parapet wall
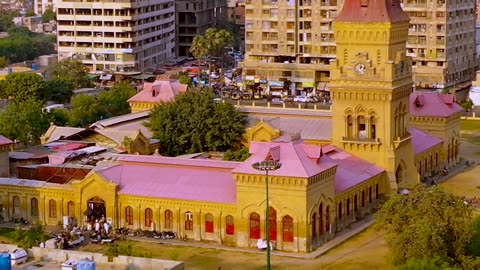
x=59 y=255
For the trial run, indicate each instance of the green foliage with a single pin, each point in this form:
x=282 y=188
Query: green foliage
x=3 y=62
x=58 y=90
x=473 y=247
x=426 y=223
x=24 y=121
x=236 y=155
x=183 y=78
x=72 y=71
x=86 y=110
x=6 y=19
x=22 y=86
x=435 y=263
x=49 y=15
x=30 y=13
x=194 y=123
x=24 y=45
x=59 y=117
x=126 y=249
x=212 y=43
x=115 y=101
x=467 y=105
x=28 y=238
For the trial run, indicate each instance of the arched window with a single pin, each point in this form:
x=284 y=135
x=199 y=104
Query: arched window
x=209 y=223
x=327 y=218
x=230 y=225
x=287 y=226
x=349 y=126
x=340 y=210
x=363 y=198
x=348 y=207
x=168 y=219
x=273 y=224
x=52 y=208
x=129 y=215
x=34 y=207
x=16 y=205
x=377 y=192
x=71 y=209
x=373 y=131
x=188 y=221
x=370 y=194
x=254 y=226
x=320 y=219
x=355 y=203
x=361 y=127
x=148 y=217
x=314 y=225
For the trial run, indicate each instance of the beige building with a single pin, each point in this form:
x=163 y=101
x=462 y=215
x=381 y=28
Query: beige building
x=289 y=43
x=194 y=18
x=117 y=36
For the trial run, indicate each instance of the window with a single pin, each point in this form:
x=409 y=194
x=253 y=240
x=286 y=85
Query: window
x=327 y=219
x=320 y=221
x=363 y=198
x=340 y=210
x=129 y=215
x=168 y=219
x=287 y=226
x=370 y=194
x=34 y=207
x=188 y=221
x=230 y=229
x=314 y=225
x=254 y=226
x=52 y=209
x=209 y=223
x=148 y=217
x=348 y=207
x=71 y=209
x=355 y=203
x=376 y=191
x=16 y=205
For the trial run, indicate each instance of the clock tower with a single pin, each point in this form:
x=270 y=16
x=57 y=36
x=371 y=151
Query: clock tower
x=370 y=83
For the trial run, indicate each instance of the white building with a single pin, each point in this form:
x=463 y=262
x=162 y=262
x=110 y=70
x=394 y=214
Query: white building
x=39 y=6
x=117 y=36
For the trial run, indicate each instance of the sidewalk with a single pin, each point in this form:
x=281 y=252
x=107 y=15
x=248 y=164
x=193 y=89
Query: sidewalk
x=339 y=239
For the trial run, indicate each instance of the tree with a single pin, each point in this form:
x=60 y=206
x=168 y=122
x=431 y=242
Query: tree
x=237 y=155
x=3 y=62
x=426 y=264
x=426 y=223
x=182 y=128
x=58 y=90
x=116 y=99
x=59 y=116
x=49 y=15
x=24 y=121
x=22 y=86
x=86 y=110
x=72 y=71
x=210 y=44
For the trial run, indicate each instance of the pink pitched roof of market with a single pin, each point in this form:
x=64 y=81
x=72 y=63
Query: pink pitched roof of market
x=174 y=178
x=433 y=104
x=422 y=140
x=158 y=91
x=5 y=141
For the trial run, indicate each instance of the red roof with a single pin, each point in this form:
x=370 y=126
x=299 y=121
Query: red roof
x=422 y=140
x=372 y=11
x=5 y=141
x=433 y=104
x=158 y=91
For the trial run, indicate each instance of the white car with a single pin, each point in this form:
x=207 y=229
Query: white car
x=303 y=99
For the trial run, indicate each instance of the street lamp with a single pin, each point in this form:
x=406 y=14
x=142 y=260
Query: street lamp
x=266 y=166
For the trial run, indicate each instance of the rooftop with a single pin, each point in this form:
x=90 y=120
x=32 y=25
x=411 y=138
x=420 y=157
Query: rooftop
x=433 y=104
x=159 y=91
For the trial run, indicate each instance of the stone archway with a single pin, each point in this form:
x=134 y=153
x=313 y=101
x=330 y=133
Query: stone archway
x=400 y=175
x=95 y=208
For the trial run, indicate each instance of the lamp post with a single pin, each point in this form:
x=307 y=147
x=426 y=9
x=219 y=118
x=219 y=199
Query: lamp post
x=266 y=166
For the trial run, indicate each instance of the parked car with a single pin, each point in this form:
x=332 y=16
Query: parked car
x=303 y=99
x=277 y=101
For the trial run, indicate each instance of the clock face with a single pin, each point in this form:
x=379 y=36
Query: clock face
x=360 y=69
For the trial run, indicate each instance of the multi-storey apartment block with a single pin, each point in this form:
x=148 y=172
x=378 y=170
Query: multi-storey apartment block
x=442 y=43
x=289 y=43
x=39 y=6
x=118 y=36
x=194 y=17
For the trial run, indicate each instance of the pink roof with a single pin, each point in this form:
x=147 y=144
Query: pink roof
x=5 y=141
x=422 y=140
x=174 y=178
x=158 y=91
x=298 y=159
x=351 y=170
x=433 y=104
x=372 y=11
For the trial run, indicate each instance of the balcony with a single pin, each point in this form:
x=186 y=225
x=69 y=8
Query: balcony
x=359 y=140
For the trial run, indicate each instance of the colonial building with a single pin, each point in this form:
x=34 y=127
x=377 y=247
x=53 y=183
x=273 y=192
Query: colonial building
x=154 y=93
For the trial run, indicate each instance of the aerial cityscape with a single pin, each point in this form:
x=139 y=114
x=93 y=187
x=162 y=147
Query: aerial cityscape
x=239 y=134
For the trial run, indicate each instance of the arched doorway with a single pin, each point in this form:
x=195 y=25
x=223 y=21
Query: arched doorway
x=400 y=175
x=95 y=208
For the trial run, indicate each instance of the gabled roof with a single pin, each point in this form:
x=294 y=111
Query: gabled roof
x=422 y=140
x=55 y=133
x=5 y=141
x=174 y=178
x=372 y=11
x=433 y=104
x=158 y=91
x=121 y=119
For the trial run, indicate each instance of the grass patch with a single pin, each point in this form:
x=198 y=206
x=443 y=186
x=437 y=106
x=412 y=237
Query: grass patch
x=469 y=125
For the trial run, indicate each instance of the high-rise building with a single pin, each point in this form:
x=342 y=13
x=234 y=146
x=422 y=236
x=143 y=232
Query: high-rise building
x=442 y=43
x=194 y=18
x=289 y=43
x=40 y=6
x=116 y=36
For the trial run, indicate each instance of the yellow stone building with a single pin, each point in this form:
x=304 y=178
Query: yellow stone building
x=349 y=160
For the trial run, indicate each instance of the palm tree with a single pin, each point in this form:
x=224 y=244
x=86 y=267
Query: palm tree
x=210 y=44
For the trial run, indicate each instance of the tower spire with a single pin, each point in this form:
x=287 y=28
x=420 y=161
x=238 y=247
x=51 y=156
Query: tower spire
x=372 y=11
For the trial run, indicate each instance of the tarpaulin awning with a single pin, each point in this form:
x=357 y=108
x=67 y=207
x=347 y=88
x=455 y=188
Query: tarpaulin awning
x=143 y=76
x=106 y=77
